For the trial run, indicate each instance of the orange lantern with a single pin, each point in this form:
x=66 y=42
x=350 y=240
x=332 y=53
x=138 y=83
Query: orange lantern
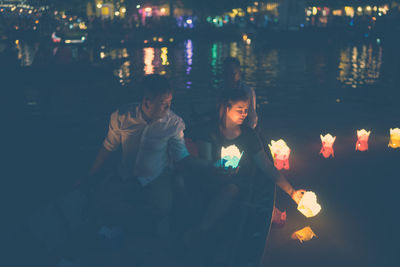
x=305 y=234
x=362 y=141
x=327 y=145
x=394 y=138
x=280 y=153
x=308 y=205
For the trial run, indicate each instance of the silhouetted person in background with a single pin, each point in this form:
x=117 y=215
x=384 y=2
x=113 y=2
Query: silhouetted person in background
x=232 y=80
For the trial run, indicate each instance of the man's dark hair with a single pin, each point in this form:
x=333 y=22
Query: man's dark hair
x=154 y=85
x=231 y=61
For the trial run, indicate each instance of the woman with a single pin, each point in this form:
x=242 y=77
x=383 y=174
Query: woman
x=232 y=186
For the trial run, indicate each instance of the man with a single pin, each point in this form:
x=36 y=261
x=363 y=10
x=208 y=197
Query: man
x=151 y=139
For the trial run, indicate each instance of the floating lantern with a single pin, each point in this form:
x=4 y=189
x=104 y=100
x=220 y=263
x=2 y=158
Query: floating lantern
x=230 y=156
x=327 y=145
x=278 y=217
x=280 y=153
x=394 y=138
x=308 y=205
x=305 y=234
x=362 y=142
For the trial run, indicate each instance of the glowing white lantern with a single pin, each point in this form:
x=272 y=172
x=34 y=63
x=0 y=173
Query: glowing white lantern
x=327 y=145
x=394 y=138
x=362 y=141
x=305 y=234
x=280 y=153
x=308 y=205
x=230 y=156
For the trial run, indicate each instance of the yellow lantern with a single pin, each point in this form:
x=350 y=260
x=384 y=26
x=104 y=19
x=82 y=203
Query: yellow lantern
x=327 y=145
x=308 y=205
x=230 y=156
x=394 y=138
x=305 y=234
x=280 y=153
x=362 y=141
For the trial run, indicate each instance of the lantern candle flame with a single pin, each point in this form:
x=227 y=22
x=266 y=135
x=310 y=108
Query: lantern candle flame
x=327 y=145
x=305 y=234
x=230 y=156
x=280 y=153
x=362 y=141
x=394 y=138
x=308 y=205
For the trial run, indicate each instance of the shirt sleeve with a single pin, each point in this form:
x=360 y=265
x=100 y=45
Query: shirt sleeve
x=176 y=144
x=113 y=138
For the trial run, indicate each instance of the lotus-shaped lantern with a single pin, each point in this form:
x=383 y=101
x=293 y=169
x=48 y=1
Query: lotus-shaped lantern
x=327 y=145
x=280 y=153
x=230 y=156
x=304 y=234
x=308 y=205
x=362 y=141
x=394 y=138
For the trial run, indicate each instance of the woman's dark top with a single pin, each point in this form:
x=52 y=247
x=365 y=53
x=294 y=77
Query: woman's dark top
x=247 y=142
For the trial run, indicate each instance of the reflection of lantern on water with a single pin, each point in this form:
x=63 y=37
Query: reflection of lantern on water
x=305 y=234
x=308 y=205
x=327 y=145
x=280 y=153
x=230 y=156
x=362 y=141
x=394 y=138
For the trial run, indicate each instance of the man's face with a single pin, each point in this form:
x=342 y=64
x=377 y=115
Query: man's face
x=159 y=106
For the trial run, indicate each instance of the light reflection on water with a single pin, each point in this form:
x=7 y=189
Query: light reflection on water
x=360 y=65
x=301 y=77
x=357 y=65
x=261 y=68
x=148 y=60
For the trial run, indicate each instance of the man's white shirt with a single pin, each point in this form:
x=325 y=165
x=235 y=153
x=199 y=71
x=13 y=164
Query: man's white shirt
x=147 y=148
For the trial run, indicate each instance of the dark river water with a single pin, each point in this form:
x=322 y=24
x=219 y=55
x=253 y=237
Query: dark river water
x=59 y=117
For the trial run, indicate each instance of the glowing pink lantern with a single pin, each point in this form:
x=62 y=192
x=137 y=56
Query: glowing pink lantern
x=327 y=145
x=280 y=153
x=362 y=141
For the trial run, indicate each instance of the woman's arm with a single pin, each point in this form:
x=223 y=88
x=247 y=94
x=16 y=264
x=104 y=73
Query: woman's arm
x=269 y=169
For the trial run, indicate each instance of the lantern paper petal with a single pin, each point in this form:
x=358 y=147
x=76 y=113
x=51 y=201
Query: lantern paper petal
x=308 y=205
x=362 y=141
x=394 y=138
x=230 y=156
x=305 y=234
x=280 y=153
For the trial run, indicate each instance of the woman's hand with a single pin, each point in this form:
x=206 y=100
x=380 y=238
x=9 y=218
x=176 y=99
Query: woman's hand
x=222 y=170
x=297 y=195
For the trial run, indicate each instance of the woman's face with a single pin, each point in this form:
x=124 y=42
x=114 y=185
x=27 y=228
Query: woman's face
x=237 y=112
